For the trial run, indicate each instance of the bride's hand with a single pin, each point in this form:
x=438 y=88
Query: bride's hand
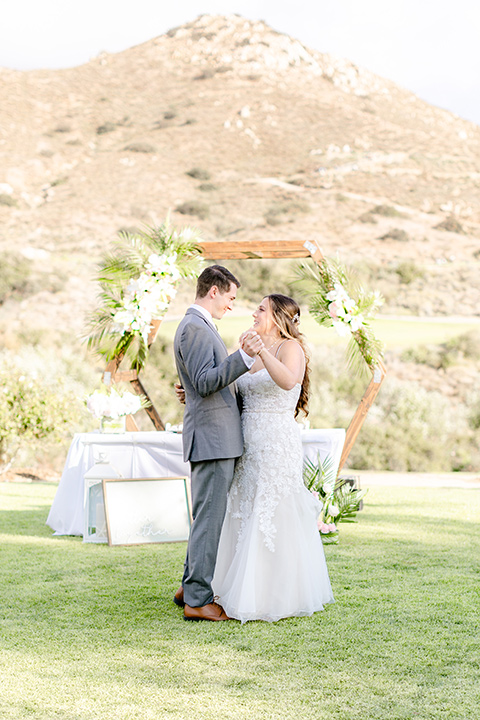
x=244 y=335
x=251 y=342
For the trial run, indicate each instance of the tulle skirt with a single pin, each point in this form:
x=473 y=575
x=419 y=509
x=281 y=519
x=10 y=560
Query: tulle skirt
x=253 y=582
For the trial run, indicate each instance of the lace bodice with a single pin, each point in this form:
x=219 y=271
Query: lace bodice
x=260 y=394
x=271 y=465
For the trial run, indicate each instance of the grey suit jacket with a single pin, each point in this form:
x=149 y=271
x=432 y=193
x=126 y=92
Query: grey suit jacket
x=211 y=422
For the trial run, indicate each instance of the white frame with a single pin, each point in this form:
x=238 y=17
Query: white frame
x=146 y=510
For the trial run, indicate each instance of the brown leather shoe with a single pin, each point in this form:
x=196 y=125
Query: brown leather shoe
x=212 y=611
x=178 y=597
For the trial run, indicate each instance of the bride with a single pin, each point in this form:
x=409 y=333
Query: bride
x=270 y=561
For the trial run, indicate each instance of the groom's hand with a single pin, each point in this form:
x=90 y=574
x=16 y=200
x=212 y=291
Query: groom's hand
x=251 y=343
x=180 y=393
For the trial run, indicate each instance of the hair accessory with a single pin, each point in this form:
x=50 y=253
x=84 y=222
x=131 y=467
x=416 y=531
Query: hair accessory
x=296 y=318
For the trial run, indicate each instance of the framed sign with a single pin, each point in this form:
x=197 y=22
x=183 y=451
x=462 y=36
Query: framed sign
x=146 y=510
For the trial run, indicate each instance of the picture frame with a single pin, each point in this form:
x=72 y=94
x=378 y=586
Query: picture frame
x=146 y=510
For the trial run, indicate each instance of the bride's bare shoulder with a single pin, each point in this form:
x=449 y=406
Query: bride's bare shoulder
x=290 y=348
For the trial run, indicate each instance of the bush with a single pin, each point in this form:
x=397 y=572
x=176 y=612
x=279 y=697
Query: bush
x=451 y=224
x=208 y=187
x=105 y=128
x=193 y=207
x=368 y=217
x=15 y=277
x=386 y=211
x=396 y=234
x=7 y=200
x=278 y=213
x=467 y=344
x=409 y=271
x=29 y=411
x=411 y=429
x=140 y=147
x=423 y=355
x=42 y=391
x=198 y=173
x=206 y=74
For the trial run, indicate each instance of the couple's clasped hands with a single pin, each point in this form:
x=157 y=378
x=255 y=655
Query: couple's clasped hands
x=251 y=342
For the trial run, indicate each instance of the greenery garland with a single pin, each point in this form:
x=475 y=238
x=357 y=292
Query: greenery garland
x=138 y=278
x=336 y=299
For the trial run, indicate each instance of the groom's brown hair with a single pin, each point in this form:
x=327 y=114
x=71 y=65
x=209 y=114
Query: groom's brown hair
x=215 y=275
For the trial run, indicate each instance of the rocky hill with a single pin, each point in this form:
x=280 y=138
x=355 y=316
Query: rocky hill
x=228 y=125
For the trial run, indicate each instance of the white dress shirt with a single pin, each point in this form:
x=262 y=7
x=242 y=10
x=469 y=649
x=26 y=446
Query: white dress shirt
x=208 y=317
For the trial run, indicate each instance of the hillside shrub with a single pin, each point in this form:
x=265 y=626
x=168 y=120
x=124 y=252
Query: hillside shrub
x=15 y=277
x=412 y=429
x=474 y=411
x=387 y=211
x=281 y=212
x=140 y=147
x=451 y=224
x=30 y=411
x=42 y=391
x=467 y=344
x=198 y=173
x=408 y=271
x=193 y=207
x=7 y=200
x=106 y=128
x=463 y=347
x=206 y=74
x=396 y=234
x=368 y=217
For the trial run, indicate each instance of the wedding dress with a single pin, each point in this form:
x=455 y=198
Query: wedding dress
x=270 y=561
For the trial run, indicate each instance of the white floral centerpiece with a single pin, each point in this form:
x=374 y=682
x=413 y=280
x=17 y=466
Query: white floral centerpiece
x=138 y=280
x=111 y=407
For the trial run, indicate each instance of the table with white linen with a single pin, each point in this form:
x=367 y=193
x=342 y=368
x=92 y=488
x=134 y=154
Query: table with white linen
x=145 y=455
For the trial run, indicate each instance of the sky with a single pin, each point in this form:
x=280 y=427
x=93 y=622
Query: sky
x=431 y=47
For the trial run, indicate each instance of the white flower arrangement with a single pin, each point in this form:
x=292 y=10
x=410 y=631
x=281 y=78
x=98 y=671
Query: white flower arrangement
x=147 y=297
x=336 y=299
x=344 y=311
x=339 y=500
x=114 y=404
x=138 y=279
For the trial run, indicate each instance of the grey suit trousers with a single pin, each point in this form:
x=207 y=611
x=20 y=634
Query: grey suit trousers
x=210 y=483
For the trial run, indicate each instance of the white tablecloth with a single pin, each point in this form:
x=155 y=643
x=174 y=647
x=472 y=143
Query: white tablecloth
x=143 y=455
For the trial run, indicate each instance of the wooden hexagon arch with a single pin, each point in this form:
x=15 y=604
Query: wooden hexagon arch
x=270 y=249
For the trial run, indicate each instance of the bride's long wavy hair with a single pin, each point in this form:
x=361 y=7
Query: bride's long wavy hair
x=286 y=316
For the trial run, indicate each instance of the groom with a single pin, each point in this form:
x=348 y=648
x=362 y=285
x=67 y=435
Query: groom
x=212 y=434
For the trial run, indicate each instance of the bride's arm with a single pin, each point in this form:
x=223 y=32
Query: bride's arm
x=288 y=368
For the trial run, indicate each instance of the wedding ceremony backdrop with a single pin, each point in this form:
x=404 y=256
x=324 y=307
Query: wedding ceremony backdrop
x=138 y=280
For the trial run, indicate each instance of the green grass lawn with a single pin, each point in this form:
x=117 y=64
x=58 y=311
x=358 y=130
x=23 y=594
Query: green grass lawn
x=396 y=333
x=90 y=632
